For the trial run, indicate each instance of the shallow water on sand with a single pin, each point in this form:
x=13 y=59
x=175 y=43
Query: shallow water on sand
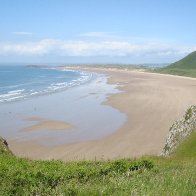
x=81 y=106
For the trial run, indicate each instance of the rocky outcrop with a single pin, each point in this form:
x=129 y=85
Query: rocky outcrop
x=180 y=130
x=4 y=149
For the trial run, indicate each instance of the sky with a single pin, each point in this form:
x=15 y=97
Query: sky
x=96 y=31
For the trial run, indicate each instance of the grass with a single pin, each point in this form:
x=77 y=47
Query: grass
x=177 y=71
x=187 y=149
x=175 y=175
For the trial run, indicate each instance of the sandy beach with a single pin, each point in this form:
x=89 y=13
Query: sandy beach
x=151 y=102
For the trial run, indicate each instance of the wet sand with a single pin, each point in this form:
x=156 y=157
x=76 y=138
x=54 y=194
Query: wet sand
x=45 y=124
x=152 y=102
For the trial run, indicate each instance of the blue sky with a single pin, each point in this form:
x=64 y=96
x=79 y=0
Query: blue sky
x=96 y=31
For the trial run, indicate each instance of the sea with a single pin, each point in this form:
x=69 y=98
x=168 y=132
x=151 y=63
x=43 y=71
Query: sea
x=21 y=82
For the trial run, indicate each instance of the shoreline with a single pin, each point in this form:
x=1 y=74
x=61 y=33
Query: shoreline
x=152 y=102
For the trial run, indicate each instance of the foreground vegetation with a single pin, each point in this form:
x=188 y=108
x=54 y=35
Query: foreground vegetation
x=175 y=175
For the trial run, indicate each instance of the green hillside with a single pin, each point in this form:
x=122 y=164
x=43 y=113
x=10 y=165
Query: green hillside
x=188 y=62
x=175 y=175
x=183 y=67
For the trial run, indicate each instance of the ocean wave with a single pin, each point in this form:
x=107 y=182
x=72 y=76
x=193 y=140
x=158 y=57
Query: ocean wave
x=14 y=98
x=12 y=95
x=85 y=77
x=16 y=91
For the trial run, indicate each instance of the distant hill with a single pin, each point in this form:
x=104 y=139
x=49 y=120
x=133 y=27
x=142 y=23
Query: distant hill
x=188 y=62
x=183 y=67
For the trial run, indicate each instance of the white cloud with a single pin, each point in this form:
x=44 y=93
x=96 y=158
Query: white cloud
x=22 y=33
x=89 y=48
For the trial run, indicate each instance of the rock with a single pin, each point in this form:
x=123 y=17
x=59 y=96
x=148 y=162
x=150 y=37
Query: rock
x=180 y=130
x=4 y=149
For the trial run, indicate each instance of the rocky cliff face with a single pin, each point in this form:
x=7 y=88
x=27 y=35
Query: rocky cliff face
x=180 y=130
x=4 y=149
